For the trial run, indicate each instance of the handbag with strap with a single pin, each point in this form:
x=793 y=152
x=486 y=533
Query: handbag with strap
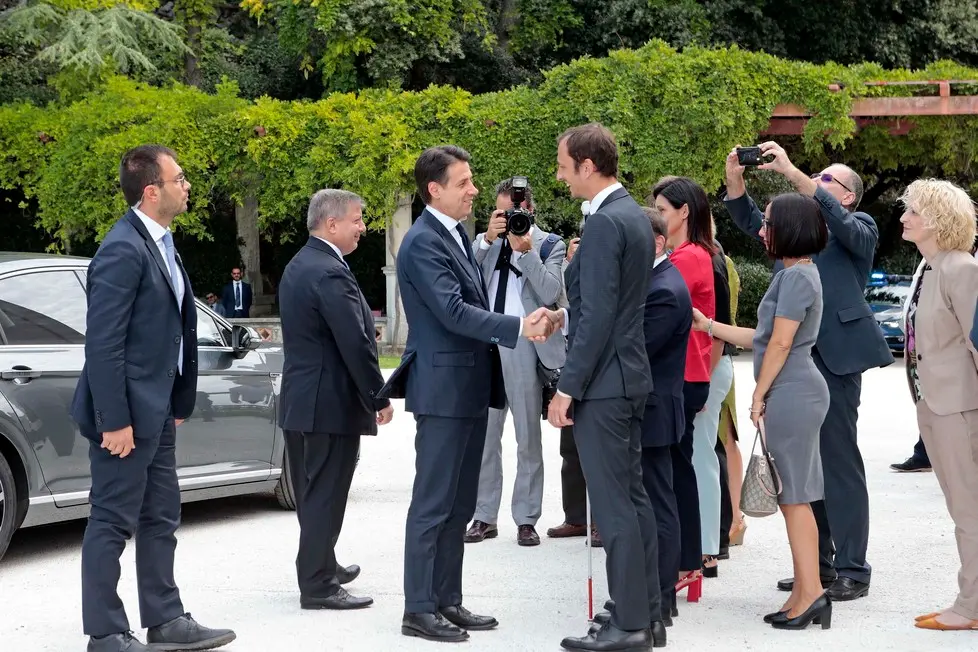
x=762 y=484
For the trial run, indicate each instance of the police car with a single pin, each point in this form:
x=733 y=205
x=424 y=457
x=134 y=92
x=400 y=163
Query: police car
x=886 y=294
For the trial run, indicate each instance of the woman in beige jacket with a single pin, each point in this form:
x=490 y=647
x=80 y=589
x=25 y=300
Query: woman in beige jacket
x=940 y=220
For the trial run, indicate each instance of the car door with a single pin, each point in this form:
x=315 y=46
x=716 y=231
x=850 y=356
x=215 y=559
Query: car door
x=230 y=436
x=42 y=352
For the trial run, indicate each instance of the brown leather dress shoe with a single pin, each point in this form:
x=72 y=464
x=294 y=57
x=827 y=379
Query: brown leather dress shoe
x=480 y=531
x=565 y=530
x=527 y=536
x=596 y=539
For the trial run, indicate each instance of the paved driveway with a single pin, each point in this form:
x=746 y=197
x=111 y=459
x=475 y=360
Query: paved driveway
x=235 y=564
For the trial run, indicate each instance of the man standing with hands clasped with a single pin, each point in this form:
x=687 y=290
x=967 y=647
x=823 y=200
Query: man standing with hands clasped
x=330 y=379
x=451 y=376
x=849 y=342
x=138 y=385
x=605 y=383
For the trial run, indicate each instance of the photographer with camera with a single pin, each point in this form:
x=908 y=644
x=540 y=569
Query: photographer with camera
x=522 y=267
x=849 y=342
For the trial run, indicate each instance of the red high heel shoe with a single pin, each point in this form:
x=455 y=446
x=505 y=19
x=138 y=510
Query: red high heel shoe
x=693 y=580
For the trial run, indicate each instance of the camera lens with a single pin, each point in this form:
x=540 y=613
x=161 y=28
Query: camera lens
x=518 y=223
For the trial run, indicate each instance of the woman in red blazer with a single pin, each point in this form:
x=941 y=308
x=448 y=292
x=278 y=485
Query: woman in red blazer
x=683 y=204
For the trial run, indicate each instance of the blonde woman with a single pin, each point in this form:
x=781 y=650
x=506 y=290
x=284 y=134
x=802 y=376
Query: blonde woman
x=940 y=220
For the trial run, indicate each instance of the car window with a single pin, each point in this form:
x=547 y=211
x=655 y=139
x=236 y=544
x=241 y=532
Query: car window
x=208 y=333
x=42 y=308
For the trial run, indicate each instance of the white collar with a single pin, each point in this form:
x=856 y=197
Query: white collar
x=659 y=260
x=156 y=230
x=601 y=196
x=448 y=222
x=334 y=247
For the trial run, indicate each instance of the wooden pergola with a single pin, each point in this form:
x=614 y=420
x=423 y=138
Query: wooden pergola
x=895 y=113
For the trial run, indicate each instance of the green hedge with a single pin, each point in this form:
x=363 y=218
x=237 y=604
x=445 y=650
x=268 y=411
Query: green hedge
x=672 y=114
x=754 y=281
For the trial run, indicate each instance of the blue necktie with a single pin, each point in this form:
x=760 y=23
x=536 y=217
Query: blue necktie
x=171 y=262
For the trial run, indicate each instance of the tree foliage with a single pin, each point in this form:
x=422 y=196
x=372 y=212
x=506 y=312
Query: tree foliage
x=673 y=113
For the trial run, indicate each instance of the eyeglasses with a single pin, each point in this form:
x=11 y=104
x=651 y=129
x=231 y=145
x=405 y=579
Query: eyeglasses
x=180 y=180
x=829 y=178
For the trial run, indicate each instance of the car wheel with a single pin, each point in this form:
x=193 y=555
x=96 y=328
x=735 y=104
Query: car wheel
x=8 y=505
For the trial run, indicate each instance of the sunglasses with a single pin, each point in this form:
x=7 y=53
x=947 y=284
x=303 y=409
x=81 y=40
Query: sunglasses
x=828 y=178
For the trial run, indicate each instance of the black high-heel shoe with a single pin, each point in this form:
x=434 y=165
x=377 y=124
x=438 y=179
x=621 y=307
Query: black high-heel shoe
x=819 y=613
x=776 y=616
x=710 y=571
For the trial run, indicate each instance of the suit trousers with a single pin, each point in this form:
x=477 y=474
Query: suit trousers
x=705 y=461
x=843 y=516
x=140 y=495
x=952 y=443
x=609 y=437
x=322 y=467
x=524 y=400
x=446 y=483
x=684 y=480
x=573 y=488
x=657 y=479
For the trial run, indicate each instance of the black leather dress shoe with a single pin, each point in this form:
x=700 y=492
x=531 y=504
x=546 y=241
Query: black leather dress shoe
x=432 y=627
x=789 y=584
x=122 y=642
x=339 y=600
x=462 y=617
x=846 y=588
x=658 y=629
x=183 y=633
x=609 y=638
x=346 y=574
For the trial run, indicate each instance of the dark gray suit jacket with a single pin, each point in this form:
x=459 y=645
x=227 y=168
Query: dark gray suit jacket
x=451 y=361
x=331 y=373
x=607 y=282
x=132 y=340
x=668 y=319
x=849 y=339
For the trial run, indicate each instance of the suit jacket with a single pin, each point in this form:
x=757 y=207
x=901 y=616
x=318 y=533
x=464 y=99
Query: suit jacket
x=451 y=362
x=668 y=319
x=543 y=285
x=330 y=374
x=133 y=338
x=607 y=282
x=946 y=361
x=849 y=339
x=227 y=298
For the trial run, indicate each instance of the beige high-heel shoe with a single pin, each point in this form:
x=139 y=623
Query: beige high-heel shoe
x=737 y=534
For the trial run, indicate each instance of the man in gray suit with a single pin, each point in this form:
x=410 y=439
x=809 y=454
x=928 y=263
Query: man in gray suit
x=849 y=343
x=519 y=281
x=606 y=380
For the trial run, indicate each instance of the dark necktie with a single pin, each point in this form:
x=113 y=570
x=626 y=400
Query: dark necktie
x=504 y=267
x=465 y=238
x=237 y=295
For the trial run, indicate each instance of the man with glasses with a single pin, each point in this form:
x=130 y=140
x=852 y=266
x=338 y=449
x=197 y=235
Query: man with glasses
x=849 y=342
x=215 y=305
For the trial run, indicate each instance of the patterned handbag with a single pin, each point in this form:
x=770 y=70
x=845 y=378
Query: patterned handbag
x=762 y=484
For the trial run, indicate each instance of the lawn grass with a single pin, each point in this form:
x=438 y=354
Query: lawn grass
x=389 y=361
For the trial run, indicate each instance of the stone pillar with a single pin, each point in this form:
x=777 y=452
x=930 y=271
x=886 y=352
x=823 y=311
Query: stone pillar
x=396 y=334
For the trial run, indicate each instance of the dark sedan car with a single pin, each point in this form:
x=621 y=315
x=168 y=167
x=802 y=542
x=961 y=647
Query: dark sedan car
x=886 y=295
x=230 y=445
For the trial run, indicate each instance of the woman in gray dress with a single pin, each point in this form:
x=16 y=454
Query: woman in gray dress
x=790 y=398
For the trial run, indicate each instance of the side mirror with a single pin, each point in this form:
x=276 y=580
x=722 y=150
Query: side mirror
x=244 y=339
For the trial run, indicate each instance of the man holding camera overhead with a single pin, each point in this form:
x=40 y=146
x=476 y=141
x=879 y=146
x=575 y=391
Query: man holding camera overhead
x=521 y=265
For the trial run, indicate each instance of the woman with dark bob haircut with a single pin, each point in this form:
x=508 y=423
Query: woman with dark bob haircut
x=791 y=397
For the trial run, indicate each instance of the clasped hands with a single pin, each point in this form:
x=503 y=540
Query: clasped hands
x=541 y=324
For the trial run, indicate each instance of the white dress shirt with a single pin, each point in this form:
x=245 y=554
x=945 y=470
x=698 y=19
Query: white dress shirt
x=157 y=231
x=514 y=286
x=659 y=260
x=334 y=248
x=238 y=294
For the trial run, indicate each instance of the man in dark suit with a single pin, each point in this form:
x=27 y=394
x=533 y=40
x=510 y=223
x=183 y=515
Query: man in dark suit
x=668 y=317
x=236 y=296
x=607 y=378
x=849 y=343
x=138 y=385
x=453 y=377
x=329 y=381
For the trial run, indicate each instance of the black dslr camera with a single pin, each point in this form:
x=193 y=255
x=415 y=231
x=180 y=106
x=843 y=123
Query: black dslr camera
x=518 y=219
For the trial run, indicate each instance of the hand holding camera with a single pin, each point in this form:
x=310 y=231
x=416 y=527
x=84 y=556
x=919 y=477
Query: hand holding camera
x=497 y=226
